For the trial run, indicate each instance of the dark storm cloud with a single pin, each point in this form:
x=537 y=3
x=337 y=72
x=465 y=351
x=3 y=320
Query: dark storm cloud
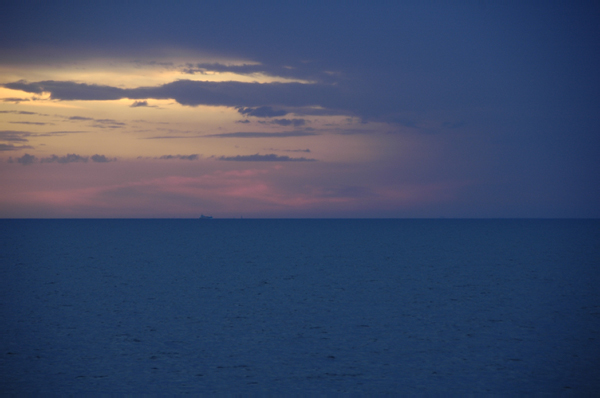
x=66 y=90
x=264 y=158
x=282 y=134
x=387 y=56
x=253 y=99
x=180 y=157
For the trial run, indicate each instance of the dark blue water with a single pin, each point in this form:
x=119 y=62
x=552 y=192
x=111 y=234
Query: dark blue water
x=301 y=306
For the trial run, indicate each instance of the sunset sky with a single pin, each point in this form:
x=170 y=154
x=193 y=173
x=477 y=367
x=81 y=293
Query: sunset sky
x=299 y=109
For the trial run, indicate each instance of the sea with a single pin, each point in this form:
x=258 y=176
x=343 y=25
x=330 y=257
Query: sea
x=384 y=307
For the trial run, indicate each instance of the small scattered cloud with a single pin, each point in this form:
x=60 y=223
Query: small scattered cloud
x=102 y=159
x=289 y=150
x=100 y=123
x=11 y=147
x=25 y=159
x=59 y=133
x=33 y=123
x=108 y=123
x=69 y=158
x=264 y=158
x=180 y=157
x=282 y=134
x=262 y=111
x=14 y=136
x=142 y=104
x=288 y=122
x=243 y=121
x=166 y=137
x=297 y=150
x=22 y=113
x=15 y=100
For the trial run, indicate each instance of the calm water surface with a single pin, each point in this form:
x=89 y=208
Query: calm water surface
x=301 y=306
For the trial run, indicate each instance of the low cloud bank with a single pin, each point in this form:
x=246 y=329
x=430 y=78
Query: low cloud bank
x=264 y=158
x=69 y=158
x=180 y=157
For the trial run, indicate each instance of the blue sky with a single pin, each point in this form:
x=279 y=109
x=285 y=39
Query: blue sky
x=411 y=109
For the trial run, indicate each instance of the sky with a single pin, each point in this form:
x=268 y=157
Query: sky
x=472 y=109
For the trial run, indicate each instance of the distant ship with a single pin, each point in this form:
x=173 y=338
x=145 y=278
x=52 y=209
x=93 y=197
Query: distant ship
x=203 y=217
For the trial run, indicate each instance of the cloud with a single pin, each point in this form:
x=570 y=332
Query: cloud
x=137 y=104
x=59 y=133
x=19 y=136
x=69 y=158
x=181 y=157
x=263 y=111
x=66 y=90
x=25 y=159
x=34 y=123
x=165 y=137
x=101 y=123
x=253 y=99
x=11 y=147
x=304 y=71
x=290 y=150
x=14 y=99
x=110 y=123
x=102 y=159
x=16 y=136
x=282 y=134
x=289 y=122
x=22 y=113
x=264 y=158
